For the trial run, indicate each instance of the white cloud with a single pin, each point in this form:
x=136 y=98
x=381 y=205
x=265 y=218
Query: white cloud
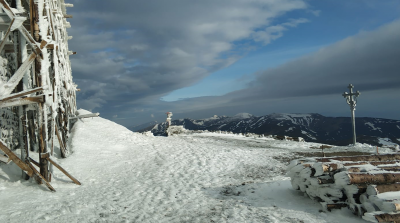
x=274 y=32
x=315 y=12
x=131 y=53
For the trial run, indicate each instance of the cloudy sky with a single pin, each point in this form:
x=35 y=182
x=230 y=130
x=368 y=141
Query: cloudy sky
x=197 y=58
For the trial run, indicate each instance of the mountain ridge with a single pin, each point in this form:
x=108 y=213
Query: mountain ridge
x=312 y=127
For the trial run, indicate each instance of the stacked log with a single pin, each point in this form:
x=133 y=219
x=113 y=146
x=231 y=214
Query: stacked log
x=368 y=185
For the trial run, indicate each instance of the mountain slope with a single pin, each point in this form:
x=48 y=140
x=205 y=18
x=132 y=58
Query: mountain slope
x=312 y=127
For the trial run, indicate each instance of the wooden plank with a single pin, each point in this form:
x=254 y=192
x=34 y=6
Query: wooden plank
x=3 y=42
x=20 y=94
x=85 y=116
x=15 y=159
x=41 y=177
x=22 y=101
x=16 y=78
x=64 y=171
x=62 y=147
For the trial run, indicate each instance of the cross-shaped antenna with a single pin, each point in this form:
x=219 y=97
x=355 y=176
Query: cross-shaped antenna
x=351 y=99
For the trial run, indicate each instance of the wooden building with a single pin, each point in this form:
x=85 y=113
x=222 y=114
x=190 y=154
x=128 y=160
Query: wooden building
x=37 y=94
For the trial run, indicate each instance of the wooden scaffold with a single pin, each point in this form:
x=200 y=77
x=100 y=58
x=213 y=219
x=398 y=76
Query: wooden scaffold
x=37 y=95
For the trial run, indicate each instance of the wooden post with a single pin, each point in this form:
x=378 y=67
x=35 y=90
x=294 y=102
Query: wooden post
x=25 y=84
x=44 y=165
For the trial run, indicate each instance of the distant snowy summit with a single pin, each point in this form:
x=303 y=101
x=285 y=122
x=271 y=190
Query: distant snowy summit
x=292 y=115
x=224 y=117
x=312 y=127
x=243 y=116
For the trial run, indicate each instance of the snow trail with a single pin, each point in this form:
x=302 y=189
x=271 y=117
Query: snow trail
x=129 y=177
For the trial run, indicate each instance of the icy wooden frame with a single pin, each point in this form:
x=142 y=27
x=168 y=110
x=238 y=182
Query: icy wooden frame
x=48 y=67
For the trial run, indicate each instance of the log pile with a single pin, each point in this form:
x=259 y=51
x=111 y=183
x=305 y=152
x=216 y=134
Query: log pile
x=368 y=185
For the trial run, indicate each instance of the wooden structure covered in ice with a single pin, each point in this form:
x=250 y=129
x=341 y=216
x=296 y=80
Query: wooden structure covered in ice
x=368 y=185
x=175 y=130
x=37 y=94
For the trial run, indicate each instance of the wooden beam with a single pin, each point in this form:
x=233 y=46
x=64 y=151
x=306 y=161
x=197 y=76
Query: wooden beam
x=40 y=176
x=16 y=78
x=31 y=41
x=20 y=94
x=64 y=171
x=6 y=8
x=62 y=147
x=33 y=161
x=3 y=42
x=22 y=101
x=50 y=46
x=15 y=159
x=85 y=116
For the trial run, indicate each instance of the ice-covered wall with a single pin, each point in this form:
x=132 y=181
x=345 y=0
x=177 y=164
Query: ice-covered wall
x=9 y=121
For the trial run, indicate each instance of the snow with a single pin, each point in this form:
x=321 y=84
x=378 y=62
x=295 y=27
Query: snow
x=386 y=142
x=132 y=177
x=289 y=129
x=215 y=117
x=288 y=116
x=17 y=22
x=308 y=134
x=243 y=115
x=299 y=119
x=395 y=195
x=298 y=115
x=373 y=126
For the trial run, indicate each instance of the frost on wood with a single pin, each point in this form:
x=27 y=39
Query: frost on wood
x=37 y=94
x=8 y=117
x=367 y=185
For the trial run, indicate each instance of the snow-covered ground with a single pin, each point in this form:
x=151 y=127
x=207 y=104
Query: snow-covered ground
x=130 y=177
